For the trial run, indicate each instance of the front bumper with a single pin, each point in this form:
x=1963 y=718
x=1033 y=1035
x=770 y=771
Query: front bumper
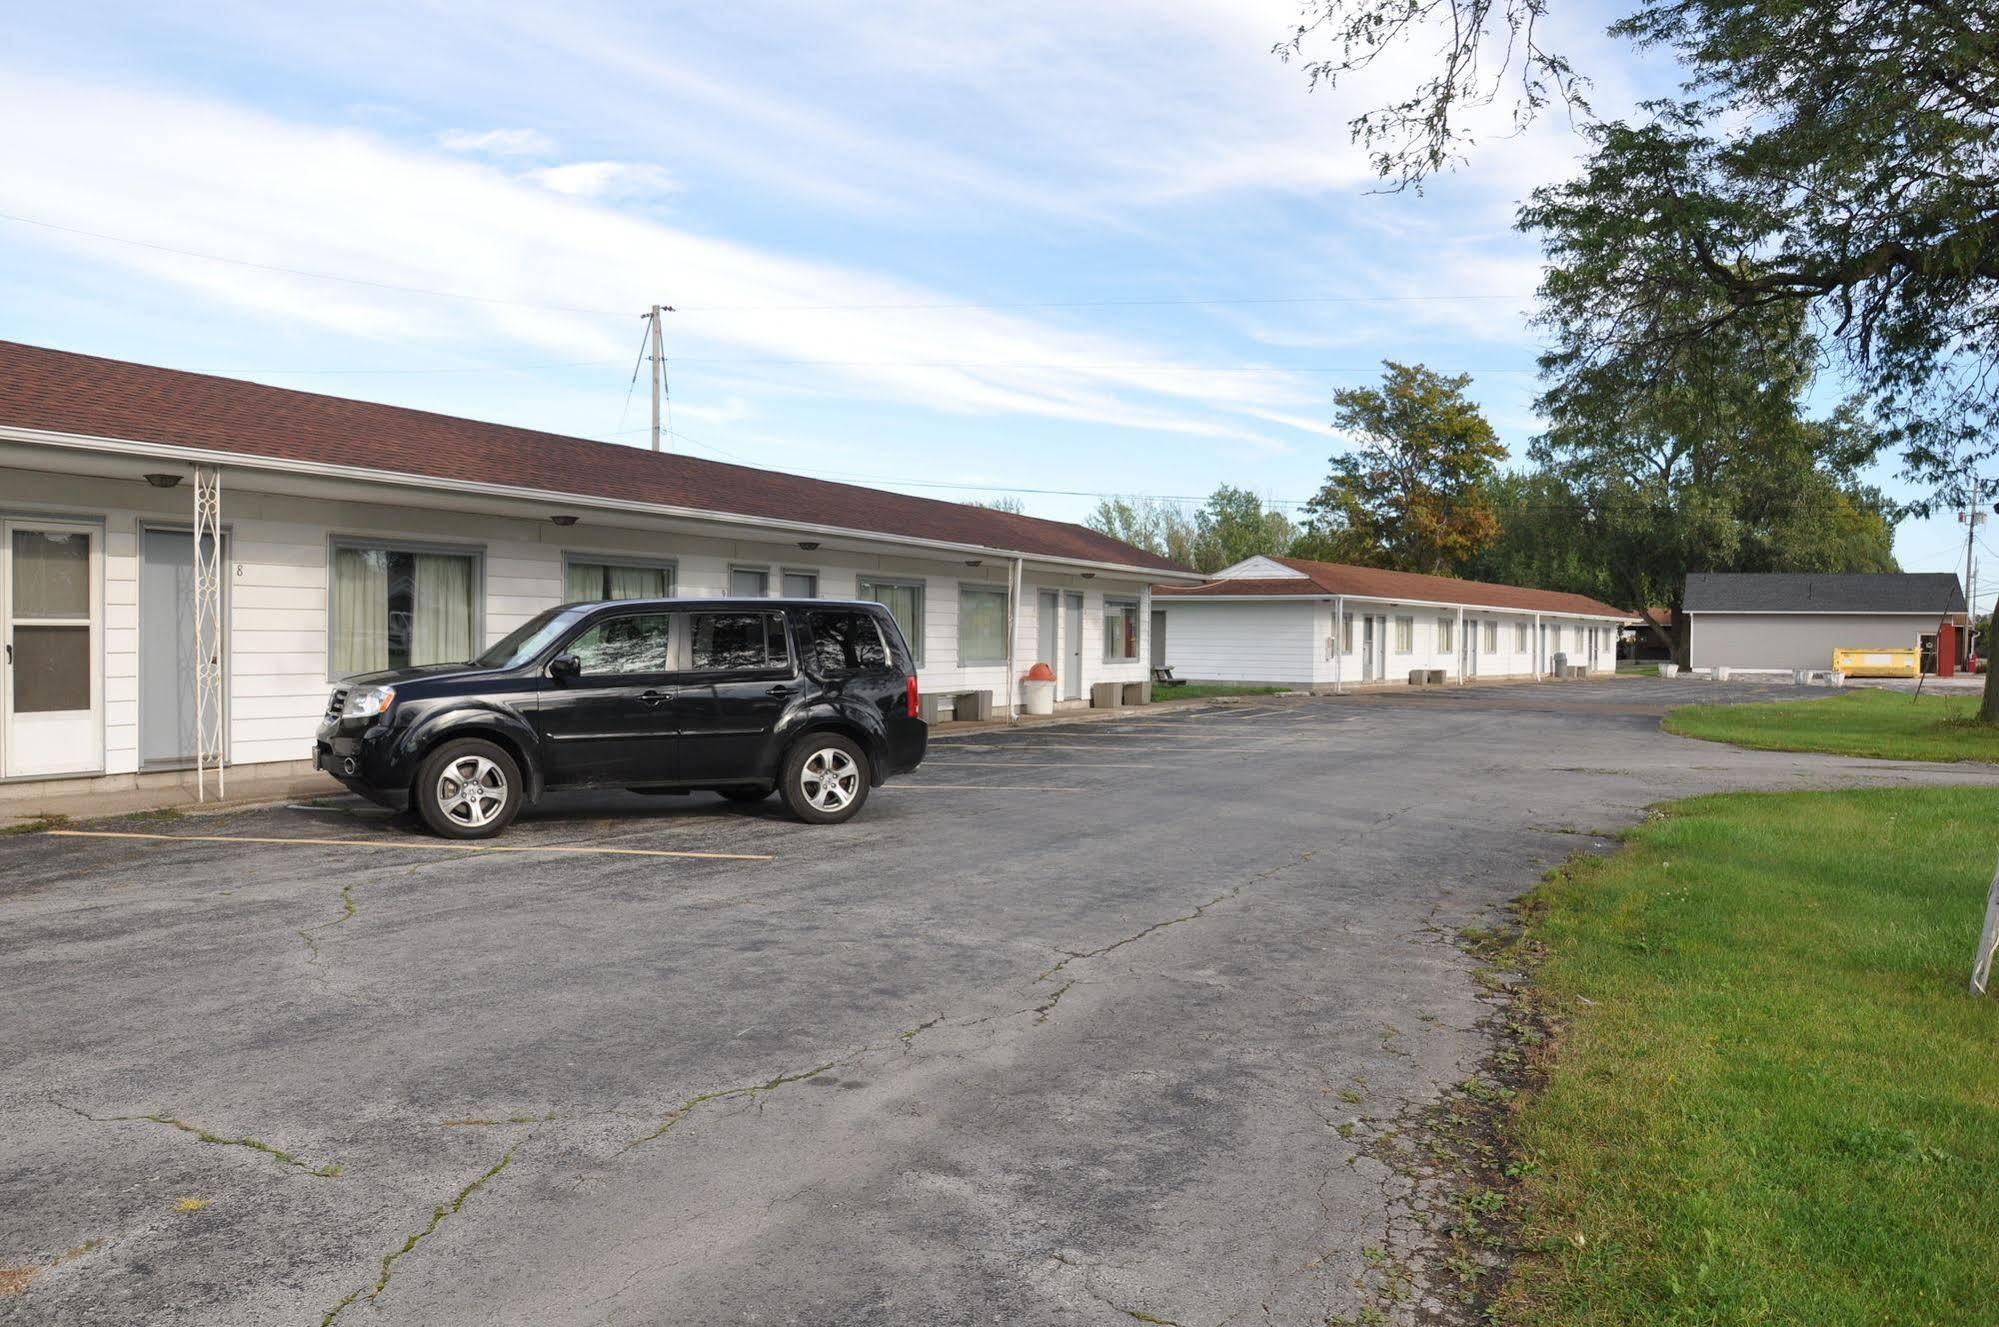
x=359 y=761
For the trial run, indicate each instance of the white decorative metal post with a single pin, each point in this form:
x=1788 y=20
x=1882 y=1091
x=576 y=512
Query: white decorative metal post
x=1988 y=940
x=209 y=701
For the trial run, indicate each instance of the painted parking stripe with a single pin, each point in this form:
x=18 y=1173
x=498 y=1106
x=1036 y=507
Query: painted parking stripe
x=419 y=845
x=1042 y=764
x=986 y=788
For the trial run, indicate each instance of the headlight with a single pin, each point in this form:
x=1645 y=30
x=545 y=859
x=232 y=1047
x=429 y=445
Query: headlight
x=365 y=701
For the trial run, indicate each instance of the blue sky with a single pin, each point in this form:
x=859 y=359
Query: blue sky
x=1103 y=247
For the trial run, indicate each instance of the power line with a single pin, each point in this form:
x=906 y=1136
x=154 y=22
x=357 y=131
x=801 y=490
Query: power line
x=1054 y=365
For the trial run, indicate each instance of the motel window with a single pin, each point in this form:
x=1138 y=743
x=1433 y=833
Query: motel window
x=981 y=625
x=749 y=583
x=1120 y=629
x=589 y=580
x=1405 y=635
x=393 y=607
x=1520 y=638
x=1446 y=635
x=904 y=601
x=1346 y=633
x=1491 y=645
x=801 y=585
x=1554 y=637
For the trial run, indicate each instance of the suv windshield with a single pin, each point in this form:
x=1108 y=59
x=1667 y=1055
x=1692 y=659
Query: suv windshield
x=525 y=641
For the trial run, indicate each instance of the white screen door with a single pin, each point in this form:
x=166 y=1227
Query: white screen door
x=50 y=698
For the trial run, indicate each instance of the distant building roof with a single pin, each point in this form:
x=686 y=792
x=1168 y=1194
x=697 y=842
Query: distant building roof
x=1933 y=593
x=1262 y=578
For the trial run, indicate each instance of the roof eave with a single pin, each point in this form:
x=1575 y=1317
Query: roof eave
x=402 y=479
x=1322 y=594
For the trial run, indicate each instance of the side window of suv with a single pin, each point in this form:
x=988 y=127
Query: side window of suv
x=638 y=643
x=845 y=641
x=730 y=642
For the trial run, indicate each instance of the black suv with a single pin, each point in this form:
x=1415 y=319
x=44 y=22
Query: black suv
x=813 y=699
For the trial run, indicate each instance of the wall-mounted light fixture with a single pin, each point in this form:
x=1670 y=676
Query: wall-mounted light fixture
x=975 y=562
x=809 y=545
x=162 y=480
x=1089 y=575
x=565 y=520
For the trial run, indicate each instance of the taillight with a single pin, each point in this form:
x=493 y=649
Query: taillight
x=914 y=708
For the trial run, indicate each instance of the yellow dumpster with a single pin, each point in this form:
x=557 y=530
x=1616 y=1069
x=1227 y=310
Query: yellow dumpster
x=1877 y=661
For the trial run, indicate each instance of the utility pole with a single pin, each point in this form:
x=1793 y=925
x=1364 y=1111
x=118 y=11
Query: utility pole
x=658 y=368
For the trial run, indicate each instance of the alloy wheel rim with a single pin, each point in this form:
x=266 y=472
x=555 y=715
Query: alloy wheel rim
x=830 y=779
x=471 y=791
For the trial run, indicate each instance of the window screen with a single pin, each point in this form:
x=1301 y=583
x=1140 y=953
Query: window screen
x=845 y=643
x=1491 y=633
x=393 y=607
x=981 y=625
x=1405 y=635
x=749 y=583
x=586 y=581
x=904 y=601
x=1446 y=635
x=1120 y=631
x=724 y=642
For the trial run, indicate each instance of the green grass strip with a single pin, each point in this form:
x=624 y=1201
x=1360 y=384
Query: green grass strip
x=1881 y=725
x=1773 y=1101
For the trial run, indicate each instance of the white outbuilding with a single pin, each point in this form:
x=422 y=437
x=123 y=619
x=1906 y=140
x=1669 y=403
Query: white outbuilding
x=1326 y=625
x=189 y=563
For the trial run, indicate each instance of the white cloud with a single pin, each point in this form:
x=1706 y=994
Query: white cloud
x=605 y=179
x=216 y=178
x=497 y=142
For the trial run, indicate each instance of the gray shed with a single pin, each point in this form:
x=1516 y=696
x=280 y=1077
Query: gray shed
x=1796 y=620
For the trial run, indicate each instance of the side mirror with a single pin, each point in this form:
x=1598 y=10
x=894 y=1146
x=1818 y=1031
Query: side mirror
x=565 y=666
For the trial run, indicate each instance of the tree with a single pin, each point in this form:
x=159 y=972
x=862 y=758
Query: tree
x=1158 y=527
x=1837 y=160
x=1413 y=495
x=1000 y=502
x=1704 y=460
x=1234 y=525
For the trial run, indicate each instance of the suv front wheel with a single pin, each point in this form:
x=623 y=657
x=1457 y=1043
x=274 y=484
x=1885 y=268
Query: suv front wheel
x=468 y=789
x=825 y=779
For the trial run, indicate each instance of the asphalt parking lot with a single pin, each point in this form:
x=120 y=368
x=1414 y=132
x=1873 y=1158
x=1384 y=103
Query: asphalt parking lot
x=1064 y=1029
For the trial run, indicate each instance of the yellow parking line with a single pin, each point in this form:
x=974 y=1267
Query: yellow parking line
x=1042 y=764
x=418 y=844
x=987 y=788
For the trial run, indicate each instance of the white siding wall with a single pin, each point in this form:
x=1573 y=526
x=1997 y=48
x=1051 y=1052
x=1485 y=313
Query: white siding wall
x=1252 y=641
x=279 y=588
x=1260 y=640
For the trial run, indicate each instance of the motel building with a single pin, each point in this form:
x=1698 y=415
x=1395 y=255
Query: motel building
x=1327 y=626
x=339 y=537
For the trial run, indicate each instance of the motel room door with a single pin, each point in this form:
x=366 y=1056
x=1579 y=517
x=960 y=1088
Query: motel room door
x=51 y=617
x=1369 y=633
x=1072 y=647
x=166 y=648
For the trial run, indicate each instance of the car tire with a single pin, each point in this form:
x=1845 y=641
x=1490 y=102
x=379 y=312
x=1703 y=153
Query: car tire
x=746 y=795
x=825 y=779
x=468 y=789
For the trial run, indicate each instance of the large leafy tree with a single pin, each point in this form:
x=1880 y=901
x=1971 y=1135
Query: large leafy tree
x=1233 y=525
x=1833 y=161
x=1412 y=495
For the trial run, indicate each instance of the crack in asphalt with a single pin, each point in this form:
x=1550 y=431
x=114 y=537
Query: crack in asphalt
x=276 y=1154
x=438 y=1216
x=751 y=1090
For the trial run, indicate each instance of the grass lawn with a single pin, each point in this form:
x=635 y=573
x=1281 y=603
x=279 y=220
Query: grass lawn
x=1773 y=1100
x=1891 y=725
x=1196 y=690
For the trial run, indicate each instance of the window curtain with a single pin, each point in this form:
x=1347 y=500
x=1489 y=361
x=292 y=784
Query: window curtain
x=905 y=605
x=638 y=583
x=981 y=627
x=582 y=582
x=360 y=610
x=441 y=631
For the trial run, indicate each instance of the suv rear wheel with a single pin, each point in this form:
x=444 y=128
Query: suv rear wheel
x=468 y=789
x=825 y=779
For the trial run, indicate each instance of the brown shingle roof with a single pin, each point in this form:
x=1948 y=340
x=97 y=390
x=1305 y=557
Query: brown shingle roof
x=1324 y=578
x=61 y=392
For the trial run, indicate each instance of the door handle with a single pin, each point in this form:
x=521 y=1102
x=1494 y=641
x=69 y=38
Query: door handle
x=778 y=691
x=654 y=697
